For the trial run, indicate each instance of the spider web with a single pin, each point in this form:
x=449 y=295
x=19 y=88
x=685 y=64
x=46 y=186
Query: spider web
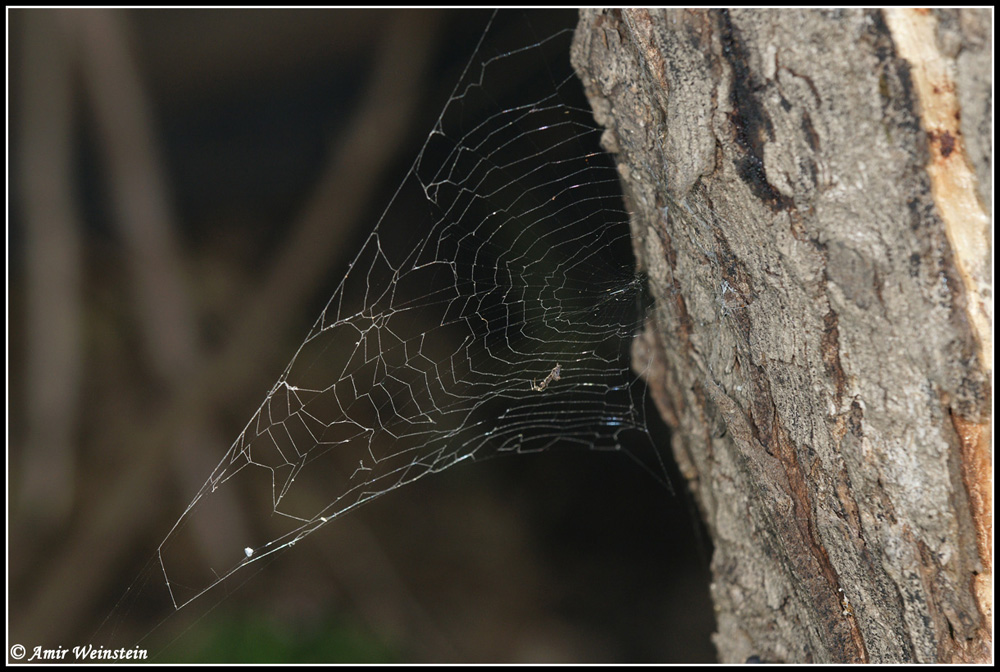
x=496 y=317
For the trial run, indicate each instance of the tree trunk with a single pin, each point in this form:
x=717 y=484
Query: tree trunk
x=809 y=197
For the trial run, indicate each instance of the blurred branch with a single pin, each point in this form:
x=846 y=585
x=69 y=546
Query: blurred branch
x=139 y=190
x=87 y=561
x=52 y=258
x=343 y=195
x=145 y=219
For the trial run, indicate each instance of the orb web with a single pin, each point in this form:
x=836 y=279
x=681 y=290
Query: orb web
x=491 y=310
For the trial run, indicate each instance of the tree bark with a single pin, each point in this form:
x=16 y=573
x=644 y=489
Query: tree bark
x=809 y=194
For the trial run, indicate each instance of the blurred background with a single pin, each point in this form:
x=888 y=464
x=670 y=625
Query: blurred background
x=186 y=189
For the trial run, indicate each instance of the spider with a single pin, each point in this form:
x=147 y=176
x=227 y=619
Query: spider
x=553 y=375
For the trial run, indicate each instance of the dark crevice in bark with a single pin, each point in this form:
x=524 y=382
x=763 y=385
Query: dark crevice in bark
x=751 y=124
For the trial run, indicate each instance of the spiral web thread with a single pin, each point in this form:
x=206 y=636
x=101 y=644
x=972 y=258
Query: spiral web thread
x=490 y=311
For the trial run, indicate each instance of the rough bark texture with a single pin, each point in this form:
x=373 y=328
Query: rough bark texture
x=810 y=199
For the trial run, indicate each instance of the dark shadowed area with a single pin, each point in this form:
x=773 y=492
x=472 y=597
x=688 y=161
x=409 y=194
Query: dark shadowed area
x=187 y=191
